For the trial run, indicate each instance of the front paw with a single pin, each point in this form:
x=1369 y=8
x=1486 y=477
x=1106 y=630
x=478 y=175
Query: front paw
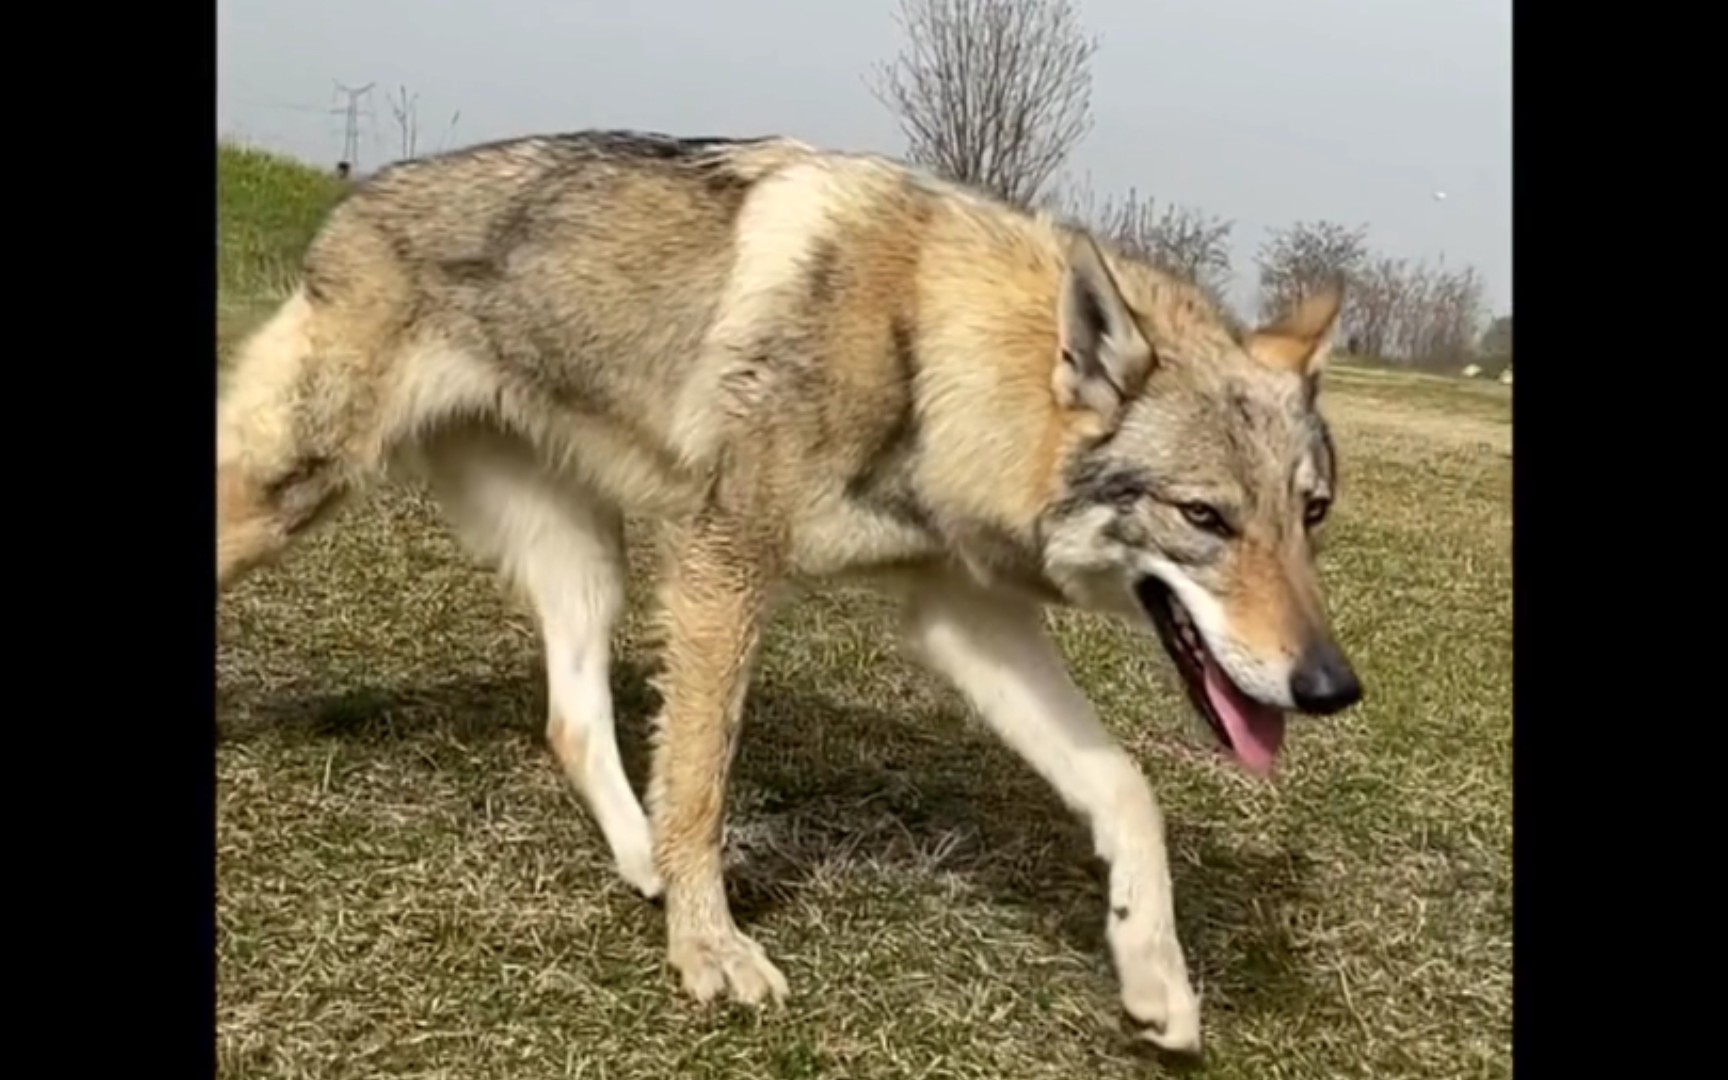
x=635 y=863
x=1155 y=987
x=726 y=960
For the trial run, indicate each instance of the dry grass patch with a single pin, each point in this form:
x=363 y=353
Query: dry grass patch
x=407 y=888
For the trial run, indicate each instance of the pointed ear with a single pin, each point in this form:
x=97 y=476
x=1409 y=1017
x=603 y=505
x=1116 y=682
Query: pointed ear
x=1104 y=356
x=1301 y=341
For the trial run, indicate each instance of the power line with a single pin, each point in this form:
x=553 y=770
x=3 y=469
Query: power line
x=351 y=116
x=281 y=106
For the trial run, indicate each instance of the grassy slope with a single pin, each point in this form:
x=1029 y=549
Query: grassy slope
x=267 y=210
x=408 y=889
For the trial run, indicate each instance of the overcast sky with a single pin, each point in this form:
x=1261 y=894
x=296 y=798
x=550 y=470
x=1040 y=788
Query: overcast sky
x=1265 y=112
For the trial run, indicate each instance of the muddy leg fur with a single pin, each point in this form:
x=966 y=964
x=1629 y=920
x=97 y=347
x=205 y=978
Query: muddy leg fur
x=995 y=651
x=564 y=548
x=714 y=605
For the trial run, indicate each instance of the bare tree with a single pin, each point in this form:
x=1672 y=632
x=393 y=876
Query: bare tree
x=1184 y=242
x=1416 y=314
x=1497 y=339
x=995 y=93
x=1379 y=302
x=406 y=110
x=1296 y=261
x=1450 y=319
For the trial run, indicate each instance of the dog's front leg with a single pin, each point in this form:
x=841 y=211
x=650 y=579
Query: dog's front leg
x=995 y=650
x=713 y=608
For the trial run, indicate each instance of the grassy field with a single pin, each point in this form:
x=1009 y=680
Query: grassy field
x=407 y=887
x=267 y=209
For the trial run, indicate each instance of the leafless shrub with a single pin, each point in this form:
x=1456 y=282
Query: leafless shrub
x=1182 y=241
x=1396 y=311
x=1298 y=260
x=1496 y=341
x=994 y=93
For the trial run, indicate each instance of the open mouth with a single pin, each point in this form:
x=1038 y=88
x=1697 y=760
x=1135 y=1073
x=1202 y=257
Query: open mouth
x=1252 y=732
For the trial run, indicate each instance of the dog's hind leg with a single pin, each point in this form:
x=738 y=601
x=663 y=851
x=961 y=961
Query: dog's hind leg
x=996 y=652
x=563 y=547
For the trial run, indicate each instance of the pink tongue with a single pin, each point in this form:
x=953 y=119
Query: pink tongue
x=1256 y=730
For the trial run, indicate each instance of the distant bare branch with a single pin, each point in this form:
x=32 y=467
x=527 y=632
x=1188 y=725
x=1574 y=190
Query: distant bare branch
x=1182 y=241
x=1296 y=261
x=1396 y=311
x=1497 y=340
x=406 y=110
x=450 y=130
x=995 y=93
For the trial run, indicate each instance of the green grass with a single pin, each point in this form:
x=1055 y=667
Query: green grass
x=1434 y=393
x=407 y=887
x=267 y=209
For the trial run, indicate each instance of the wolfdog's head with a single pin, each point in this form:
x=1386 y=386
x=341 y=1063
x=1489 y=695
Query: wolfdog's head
x=1196 y=507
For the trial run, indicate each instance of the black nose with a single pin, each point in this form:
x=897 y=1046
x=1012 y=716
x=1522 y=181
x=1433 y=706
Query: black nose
x=1323 y=683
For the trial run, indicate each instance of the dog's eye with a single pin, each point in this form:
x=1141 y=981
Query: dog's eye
x=1204 y=517
x=1315 y=512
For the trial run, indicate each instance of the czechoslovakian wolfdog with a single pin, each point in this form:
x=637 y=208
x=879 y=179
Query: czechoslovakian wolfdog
x=810 y=366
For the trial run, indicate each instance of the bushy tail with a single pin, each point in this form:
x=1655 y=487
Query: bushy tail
x=278 y=468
